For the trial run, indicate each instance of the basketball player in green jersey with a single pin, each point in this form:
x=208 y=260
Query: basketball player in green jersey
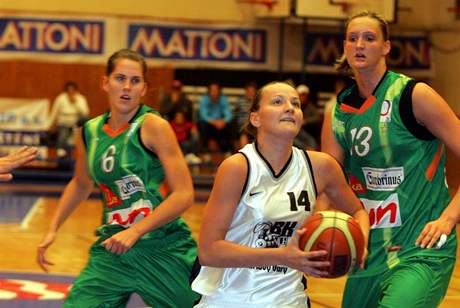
x=388 y=132
x=143 y=246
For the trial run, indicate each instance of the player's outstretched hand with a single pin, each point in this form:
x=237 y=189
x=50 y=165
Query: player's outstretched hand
x=304 y=260
x=16 y=159
x=435 y=233
x=41 y=250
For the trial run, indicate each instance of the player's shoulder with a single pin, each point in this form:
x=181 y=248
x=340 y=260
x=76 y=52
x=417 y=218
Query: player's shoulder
x=235 y=165
x=154 y=120
x=321 y=161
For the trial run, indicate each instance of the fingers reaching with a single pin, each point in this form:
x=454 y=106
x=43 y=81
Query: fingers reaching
x=15 y=159
x=42 y=261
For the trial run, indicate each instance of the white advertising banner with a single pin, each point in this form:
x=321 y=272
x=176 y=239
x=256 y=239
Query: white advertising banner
x=23 y=122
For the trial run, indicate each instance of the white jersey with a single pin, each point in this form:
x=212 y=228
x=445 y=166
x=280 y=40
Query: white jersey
x=272 y=207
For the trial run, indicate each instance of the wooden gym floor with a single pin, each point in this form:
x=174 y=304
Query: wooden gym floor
x=69 y=253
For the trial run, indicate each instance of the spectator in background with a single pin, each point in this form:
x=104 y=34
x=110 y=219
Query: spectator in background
x=307 y=139
x=215 y=119
x=241 y=112
x=176 y=101
x=187 y=136
x=70 y=109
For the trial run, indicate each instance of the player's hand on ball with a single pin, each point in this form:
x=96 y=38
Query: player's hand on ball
x=303 y=260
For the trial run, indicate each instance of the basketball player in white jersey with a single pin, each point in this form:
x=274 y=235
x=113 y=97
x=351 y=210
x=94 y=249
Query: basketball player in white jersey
x=249 y=238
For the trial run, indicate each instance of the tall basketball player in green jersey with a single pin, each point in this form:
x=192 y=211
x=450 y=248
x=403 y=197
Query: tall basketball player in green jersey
x=388 y=132
x=143 y=246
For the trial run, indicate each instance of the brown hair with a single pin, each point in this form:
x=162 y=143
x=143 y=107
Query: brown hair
x=341 y=64
x=126 y=54
x=250 y=129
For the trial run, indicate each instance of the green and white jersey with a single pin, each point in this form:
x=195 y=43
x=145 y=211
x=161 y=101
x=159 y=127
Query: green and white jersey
x=399 y=178
x=128 y=174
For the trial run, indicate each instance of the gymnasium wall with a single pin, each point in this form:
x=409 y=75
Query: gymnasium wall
x=39 y=76
x=29 y=79
x=201 y=10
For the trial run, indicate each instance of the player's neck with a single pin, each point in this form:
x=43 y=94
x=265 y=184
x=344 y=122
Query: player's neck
x=276 y=153
x=369 y=79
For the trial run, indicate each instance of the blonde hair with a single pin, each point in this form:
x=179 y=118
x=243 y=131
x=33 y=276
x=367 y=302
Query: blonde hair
x=341 y=64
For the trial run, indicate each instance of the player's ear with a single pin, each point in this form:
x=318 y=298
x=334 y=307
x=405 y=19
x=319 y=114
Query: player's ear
x=254 y=118
x=105 y=83
x=386 y=47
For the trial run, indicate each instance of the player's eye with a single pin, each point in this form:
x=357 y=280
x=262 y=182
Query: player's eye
x=120 y=78
x=277 y=100
x=369 y=37
x=136 y=80
x=352 y=38
x=296 y=102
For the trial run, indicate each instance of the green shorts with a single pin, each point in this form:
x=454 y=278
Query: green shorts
x=416 y=282
x=156 y=269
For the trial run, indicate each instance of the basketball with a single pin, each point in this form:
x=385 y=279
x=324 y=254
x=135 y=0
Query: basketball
x=337 y=233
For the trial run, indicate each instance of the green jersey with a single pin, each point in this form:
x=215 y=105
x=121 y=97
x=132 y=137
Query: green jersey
x=399 y=178
x=127 y=173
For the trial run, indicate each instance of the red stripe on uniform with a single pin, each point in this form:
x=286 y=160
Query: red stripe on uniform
x=367 y=104
x=429 y=173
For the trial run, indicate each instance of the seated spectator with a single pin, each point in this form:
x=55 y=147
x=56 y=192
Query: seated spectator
x=241 y=112
x=309 y=134
x=69 y=110
x=187 y=136
x=215 y=119
x=176 y=101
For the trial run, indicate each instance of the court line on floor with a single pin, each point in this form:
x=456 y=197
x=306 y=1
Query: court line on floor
x=31 y=213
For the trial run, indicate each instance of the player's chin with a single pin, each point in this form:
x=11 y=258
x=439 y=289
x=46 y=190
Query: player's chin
x=290 y=131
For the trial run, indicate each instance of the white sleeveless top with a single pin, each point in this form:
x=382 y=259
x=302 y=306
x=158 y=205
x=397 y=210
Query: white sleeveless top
x=271 y=208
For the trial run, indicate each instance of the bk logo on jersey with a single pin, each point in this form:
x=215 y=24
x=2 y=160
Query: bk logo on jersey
x=383 y=213
x=273 y=234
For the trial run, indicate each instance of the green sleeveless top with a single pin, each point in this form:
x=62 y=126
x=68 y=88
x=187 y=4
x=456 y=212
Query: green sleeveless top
x=399 y=178
x=128 y=174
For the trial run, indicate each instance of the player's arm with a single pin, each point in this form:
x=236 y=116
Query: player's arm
x=432 y=111
x=331 y=181
x=329 y=143
x=158 y=136
x=78 y=189
x=215 y=251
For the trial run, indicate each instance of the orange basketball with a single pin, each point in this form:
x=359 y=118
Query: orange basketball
x=337 y=233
